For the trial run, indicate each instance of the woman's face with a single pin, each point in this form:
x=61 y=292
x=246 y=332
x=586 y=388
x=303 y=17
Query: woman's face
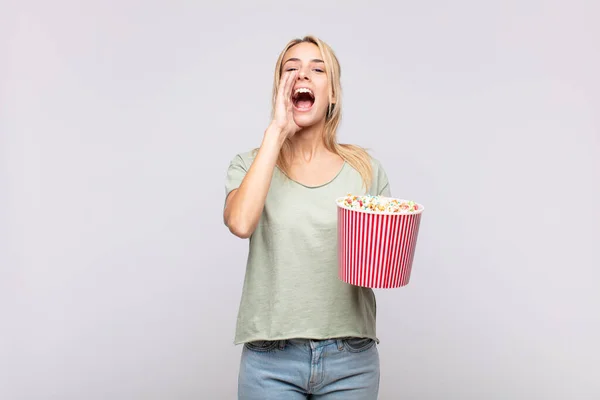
x=311 y=90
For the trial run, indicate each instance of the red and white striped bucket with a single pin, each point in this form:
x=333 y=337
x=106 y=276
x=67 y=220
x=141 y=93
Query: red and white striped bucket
x=376 y=249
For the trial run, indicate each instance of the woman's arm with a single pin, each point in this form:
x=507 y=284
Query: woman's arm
x=245 y=204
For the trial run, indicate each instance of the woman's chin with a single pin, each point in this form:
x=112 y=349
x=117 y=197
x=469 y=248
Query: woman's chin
x=306 y=119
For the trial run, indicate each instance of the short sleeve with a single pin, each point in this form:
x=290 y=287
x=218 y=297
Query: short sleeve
x=384 y=186
x=381 y=184
x=235 y=174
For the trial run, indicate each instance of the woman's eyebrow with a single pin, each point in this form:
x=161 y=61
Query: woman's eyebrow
x=315 y=60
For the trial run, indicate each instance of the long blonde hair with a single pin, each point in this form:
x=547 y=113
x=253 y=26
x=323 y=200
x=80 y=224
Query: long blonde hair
x=354 y=155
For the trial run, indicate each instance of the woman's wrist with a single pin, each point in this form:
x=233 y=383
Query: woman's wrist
x=275 y=135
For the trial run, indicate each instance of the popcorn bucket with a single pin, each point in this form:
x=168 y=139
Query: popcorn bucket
x=376 y=249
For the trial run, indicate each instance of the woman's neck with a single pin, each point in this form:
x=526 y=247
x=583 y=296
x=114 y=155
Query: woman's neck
x=308 y=144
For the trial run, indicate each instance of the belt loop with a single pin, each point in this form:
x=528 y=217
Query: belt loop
x=340 y=344
x=282 y=344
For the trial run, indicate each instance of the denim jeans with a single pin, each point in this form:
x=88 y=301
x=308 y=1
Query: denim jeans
x=333 y=369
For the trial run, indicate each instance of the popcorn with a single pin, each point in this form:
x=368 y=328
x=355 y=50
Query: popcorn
x=378 y=204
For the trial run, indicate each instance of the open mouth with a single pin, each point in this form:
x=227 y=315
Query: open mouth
x=303 y=99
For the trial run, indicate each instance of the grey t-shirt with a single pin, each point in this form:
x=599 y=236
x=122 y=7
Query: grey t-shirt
x=291 y=287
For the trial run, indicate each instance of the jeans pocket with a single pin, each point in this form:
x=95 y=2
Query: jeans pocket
x=356 y=344
x=261 y=345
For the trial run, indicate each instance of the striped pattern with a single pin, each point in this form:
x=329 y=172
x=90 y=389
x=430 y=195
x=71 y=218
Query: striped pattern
x=376 y=250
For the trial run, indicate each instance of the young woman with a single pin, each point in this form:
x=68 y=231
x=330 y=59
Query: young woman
x=305 y=332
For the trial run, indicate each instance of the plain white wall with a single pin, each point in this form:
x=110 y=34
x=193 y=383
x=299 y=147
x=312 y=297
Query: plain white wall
x=118 y=120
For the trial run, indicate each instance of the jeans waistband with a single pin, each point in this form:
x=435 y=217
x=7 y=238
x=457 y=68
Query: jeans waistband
x=312 y=343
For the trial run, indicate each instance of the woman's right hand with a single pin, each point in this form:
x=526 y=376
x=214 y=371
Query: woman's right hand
x=245 y=204
x=284 y=106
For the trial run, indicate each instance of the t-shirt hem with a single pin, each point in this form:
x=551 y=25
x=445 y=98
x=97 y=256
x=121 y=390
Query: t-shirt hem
x=312 y=336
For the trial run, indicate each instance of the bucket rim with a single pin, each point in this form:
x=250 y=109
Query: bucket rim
x=419 y=211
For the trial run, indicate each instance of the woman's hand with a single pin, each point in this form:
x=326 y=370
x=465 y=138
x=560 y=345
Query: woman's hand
x=283 y=119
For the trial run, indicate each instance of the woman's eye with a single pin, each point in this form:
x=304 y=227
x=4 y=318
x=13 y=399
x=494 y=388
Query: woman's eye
x=316 y=70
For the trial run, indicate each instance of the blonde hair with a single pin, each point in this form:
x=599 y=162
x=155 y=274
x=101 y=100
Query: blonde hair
x=354 y=155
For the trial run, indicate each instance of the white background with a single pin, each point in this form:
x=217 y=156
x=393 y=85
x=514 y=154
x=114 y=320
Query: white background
x=118 y=119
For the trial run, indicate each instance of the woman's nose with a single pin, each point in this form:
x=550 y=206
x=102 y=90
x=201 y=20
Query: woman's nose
x=302 y=74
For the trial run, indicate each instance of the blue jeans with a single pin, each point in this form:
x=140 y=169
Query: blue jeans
x=333 y=369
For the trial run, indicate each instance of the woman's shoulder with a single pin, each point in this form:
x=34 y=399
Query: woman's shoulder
x=376 y=164
x=368 y=166
x=380 y=183
x=365 y=154
x=244 y=159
